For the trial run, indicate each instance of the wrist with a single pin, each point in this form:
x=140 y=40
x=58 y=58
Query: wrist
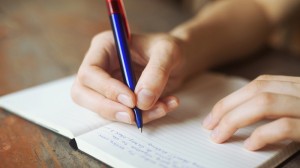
x=180 y=51
x=191 y=48
x=181 y=33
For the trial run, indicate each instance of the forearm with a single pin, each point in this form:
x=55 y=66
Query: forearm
x=225 y=31
x=285 y=15
x=277 y=12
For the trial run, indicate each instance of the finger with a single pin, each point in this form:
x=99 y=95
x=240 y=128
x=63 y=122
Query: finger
x=279 y=78
x=276 y=131
x=161 y=108
x=255 y=87
x=155 y=75
x=93 y=75
x=100 y=81
x=171 y=102
x=106 y=108
x=101 y=50
x=266 y=105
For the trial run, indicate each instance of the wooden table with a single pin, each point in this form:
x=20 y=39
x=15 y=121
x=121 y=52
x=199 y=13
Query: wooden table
x=44 y=40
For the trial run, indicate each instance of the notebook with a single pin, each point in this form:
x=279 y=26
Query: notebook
x=177 y=140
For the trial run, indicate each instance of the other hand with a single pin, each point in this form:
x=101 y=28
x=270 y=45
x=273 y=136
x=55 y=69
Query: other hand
x=268 y=97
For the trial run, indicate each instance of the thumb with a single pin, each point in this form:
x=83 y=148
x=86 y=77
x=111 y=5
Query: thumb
x=155 y=76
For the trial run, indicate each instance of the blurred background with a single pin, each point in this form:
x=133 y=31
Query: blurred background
x=43 y=40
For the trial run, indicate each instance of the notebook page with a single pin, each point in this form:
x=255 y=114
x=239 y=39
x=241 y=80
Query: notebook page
x=178 y=139
x=51 y=106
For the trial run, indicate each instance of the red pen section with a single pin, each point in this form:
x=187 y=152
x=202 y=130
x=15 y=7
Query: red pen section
x=117 y=7
x=114 y=6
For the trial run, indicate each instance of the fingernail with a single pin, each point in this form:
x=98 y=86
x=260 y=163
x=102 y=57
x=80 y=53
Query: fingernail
x=146 y=97
x=123 y=117
x=215 y=135
x=157 y=113
x=207 y=121
x=125 y=100
x=172 y=104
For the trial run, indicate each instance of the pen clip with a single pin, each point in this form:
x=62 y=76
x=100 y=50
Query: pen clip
x=124 y=17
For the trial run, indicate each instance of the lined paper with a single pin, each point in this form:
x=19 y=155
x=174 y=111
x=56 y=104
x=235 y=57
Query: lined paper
x=169 y=143
x=178 y=139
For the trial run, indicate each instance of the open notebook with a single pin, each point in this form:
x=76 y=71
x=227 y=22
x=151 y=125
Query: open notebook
x=176 y=140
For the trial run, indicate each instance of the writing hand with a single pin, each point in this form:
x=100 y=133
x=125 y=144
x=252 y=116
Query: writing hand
x=99 y=87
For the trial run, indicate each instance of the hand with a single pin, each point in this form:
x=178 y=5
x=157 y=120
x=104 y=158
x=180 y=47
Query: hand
x=267 y=97
x=156 y=59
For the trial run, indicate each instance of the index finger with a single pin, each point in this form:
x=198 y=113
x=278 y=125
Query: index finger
x=96 y=71
x=101 y=49
x=152 y=82
x=267 y=105
x=249 y=91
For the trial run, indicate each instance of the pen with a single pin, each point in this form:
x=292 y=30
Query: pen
x=121 y=32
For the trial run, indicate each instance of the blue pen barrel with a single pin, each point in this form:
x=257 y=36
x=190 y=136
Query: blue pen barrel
x=125 y=58
x=123 y=50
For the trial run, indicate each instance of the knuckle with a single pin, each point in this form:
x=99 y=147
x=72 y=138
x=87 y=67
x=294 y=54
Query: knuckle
x=229 y=122
x=286 y=127
x=107 y=109
x=162 y=71
x=164 y=110
x=264 y=77
x=101 y=36
x=82 y=75
x=166 y=41
x=256 y=85
x=111 y=91
x=217 y=109
x=265 y=99
x=172 y=50
x=105 y=113
x=219 y=106
x=161 y=110
x=259 y=133
x=75 y=93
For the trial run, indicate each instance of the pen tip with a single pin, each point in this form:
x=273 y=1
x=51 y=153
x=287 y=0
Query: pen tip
x=141 y=130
